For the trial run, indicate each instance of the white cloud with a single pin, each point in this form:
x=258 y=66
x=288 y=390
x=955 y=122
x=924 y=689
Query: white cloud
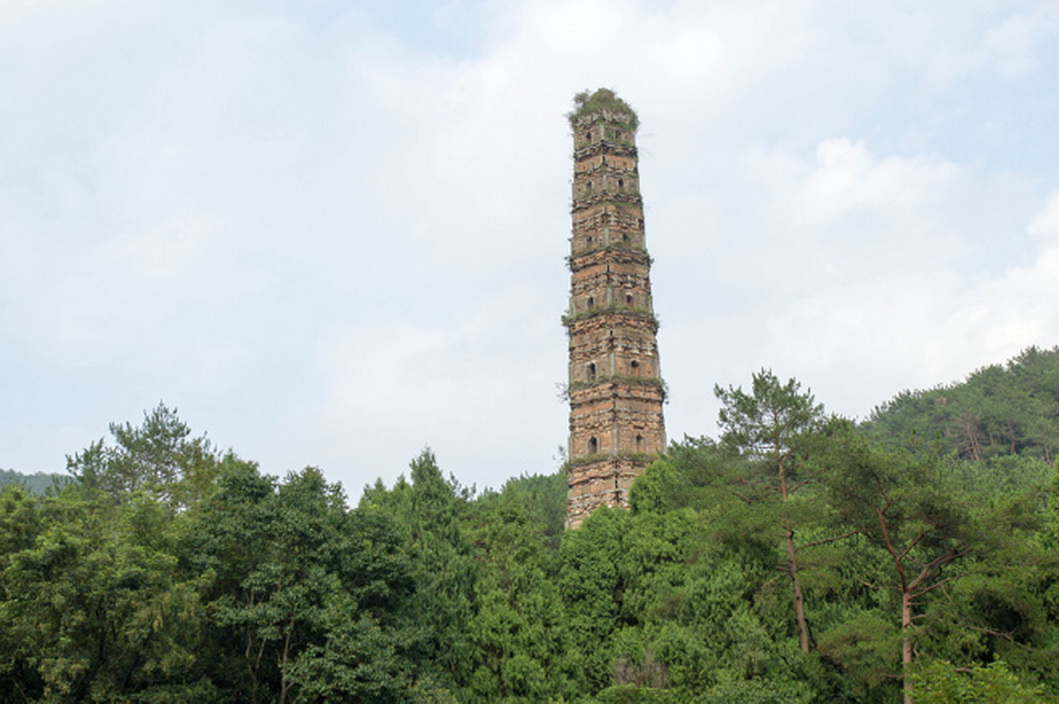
x=864 y=340
x=337 y=243
x=1045 y=225
x=1014 y=43
x=846 y=176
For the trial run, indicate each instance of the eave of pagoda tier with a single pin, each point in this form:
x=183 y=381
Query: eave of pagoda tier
x=627 y=259
x=604 y=320
x=604 y=147
x=587 y=200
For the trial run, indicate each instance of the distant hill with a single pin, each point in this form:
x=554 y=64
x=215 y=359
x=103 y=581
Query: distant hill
x=1003 y=420
x=999 y=410
x=37 y=483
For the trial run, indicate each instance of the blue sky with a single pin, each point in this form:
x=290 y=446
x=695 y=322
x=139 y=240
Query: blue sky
x=332 y=233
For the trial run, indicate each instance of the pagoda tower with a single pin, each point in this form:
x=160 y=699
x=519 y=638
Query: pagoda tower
x=615 y=389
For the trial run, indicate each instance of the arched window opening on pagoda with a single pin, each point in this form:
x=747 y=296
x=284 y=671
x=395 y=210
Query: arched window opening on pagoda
x=592 y=371
x=639 y=443
x=591 y=302
x=635 y=367
x=621 y=183
x=593 y=446
x=628 y=299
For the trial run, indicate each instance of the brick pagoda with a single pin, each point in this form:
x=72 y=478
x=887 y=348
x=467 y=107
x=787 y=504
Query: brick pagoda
x=615 y=390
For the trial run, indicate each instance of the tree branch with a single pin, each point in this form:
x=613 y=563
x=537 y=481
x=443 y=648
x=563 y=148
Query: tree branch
x=942 y=583
x=912 y=544
x=951 y=555
x=1000 y=634
x=830 y=540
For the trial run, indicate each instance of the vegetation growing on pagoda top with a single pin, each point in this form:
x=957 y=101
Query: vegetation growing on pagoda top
x=603 y=100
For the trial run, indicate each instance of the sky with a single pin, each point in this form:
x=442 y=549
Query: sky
x=331 y=233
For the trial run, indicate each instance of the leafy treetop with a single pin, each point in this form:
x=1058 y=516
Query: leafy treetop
x=602 y=100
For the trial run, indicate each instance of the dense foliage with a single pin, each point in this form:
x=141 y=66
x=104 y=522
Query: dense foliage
x=797 y=558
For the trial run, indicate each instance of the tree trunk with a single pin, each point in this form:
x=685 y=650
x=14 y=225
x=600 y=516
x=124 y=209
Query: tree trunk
x=252 y=665
x=796 y=587
x=906 y=643
x=792 y=563
x=284 y=683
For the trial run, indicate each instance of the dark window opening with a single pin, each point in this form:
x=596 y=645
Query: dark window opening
x=628 y=299
x=621 y=183
x=592 y=371
x=639 y=443
x=635 y=367
x=593 y=446
x=591 y=302
x=588 y=135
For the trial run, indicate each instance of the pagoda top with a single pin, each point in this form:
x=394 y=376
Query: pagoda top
x=602 y=103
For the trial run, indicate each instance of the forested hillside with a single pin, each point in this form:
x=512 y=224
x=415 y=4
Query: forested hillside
x=999 y=411
x=797 y=557
x=1003 y=420
x=38 y=482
